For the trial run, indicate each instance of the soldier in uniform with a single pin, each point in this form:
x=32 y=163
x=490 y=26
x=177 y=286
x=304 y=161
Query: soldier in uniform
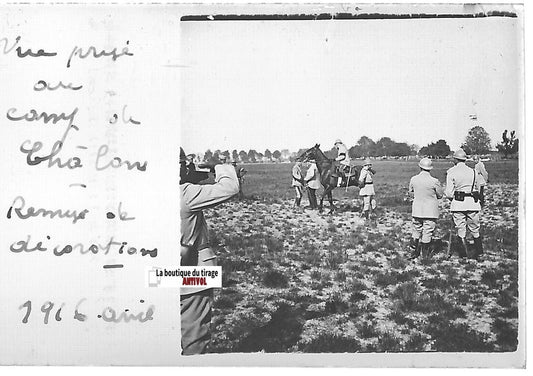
x=190 y=162
x=223 y=158
x=297 y=182
x=483 y=177
x=426 y=191
x=196 y=303
x=342 y=158
x=312 y=180
x=462 y=187
x=366 y=185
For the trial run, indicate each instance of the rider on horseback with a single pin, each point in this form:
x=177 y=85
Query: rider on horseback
x=343 y=159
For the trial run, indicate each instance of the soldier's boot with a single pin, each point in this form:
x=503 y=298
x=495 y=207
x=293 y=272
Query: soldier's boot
x=424 y=250
x=461 y=249
x=431 y=248
x=298 y=201
x=366 y=214
x=415 y=246
x=478 y=246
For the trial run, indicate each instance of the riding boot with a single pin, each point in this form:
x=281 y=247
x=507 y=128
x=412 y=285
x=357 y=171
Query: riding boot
x=298 y=201
x=366 y=213
x=461 y=249
x=415 y=246
x=478 y=246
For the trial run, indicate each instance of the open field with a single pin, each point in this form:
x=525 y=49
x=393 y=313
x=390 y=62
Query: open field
x=299 y=281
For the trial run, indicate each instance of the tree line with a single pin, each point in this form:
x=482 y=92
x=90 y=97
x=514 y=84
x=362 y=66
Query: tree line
x=477 y=141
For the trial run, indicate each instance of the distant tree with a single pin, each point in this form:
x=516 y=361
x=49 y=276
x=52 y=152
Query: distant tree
x=384 y=146
x=414 y=149
x=285 y=154
x=424 y=151
x=268 y=154
x=365 y=147
x=235 y=155
x=477 y=141
x=276 y=154
x=399 y=149
x=354 y=152
x=509 y=144
x=208 y=155
x=252 y=155
x=439 y=149
x=243 y=156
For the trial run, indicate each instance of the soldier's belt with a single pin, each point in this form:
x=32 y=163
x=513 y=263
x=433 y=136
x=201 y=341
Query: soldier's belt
x=460 y=196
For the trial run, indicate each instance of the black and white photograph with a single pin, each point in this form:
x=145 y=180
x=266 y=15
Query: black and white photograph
x=350 y=179
x=376 y=152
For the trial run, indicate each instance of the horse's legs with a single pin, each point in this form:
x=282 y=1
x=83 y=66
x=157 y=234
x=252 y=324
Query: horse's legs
x=322 y=199
x=330 y=198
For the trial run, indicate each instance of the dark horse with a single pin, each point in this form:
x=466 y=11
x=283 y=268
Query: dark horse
x=328 y=173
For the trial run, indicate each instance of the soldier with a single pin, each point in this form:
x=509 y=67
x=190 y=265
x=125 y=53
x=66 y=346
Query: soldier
x=342 y=158
x=483 y=177
x=297 y=182
x=462 y=187
x=223 y=158
x=196 y=303
x=312 y=180
x=426 y=191
x=190 y=162
x=366 y=185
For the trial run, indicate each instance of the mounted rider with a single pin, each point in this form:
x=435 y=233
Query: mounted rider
x=343 y=160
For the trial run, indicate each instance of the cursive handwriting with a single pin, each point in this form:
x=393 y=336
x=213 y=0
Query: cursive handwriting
x=19 y=203
x=78 y=51
x=34 y=115
x=24 y=246
x=53 y=160
x=28 y=51
x=49 y=309
x=110 y=315
x=116 y=162
x=43 y=85
x=114 y=118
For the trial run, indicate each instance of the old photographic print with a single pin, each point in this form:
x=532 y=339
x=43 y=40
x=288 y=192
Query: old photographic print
x=346 y=182
x=354 y=130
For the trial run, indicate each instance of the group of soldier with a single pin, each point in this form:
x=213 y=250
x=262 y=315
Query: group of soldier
x=464 y=186
x=311 y=181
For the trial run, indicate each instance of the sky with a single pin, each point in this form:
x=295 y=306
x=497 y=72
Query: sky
x=291 y=84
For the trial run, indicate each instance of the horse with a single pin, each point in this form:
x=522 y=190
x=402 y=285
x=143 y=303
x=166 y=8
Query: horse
x=328 y=174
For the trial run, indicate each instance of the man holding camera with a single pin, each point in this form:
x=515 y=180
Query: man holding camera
x=462 y=188
x=195 y=302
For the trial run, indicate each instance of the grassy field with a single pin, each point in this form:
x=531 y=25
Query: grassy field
x=300 y=281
